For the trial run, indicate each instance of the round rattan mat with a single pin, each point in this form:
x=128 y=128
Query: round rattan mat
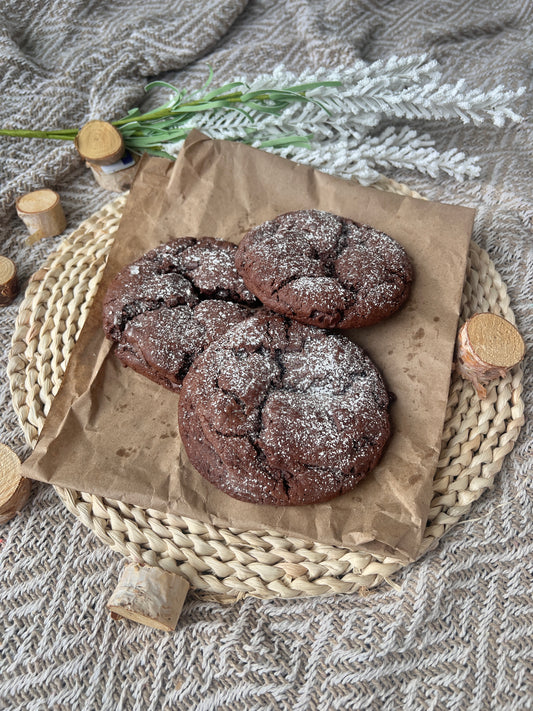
x=231 y=563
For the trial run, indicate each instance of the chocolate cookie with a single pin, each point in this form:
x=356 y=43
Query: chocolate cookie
x=325 y=270
x=167 y=306
x=278 y=412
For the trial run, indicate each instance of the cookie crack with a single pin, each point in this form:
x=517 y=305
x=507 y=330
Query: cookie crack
x=131 y=310
x=188 y=359
x=340 y=246
x=285 y=282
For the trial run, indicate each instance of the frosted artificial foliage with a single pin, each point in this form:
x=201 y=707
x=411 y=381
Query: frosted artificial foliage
x=343 y=125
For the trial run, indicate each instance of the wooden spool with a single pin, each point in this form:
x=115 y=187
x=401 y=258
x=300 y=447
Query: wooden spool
x=42 y=214
x=9 y=287
x=488 y=346
x=149 y=595
x=100 y=143
x=102 y=147
x=14 y=488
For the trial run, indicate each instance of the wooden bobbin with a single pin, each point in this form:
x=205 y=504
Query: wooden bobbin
x=42 y=214
x=149 y=595
x=14 y=488
x=9 y=287
x=102 y=147
x=488 y=346
x=100 y=143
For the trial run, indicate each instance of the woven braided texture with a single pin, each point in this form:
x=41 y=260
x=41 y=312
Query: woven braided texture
x=477 y=436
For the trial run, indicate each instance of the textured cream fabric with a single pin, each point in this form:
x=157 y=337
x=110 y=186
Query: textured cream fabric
x=457 y=635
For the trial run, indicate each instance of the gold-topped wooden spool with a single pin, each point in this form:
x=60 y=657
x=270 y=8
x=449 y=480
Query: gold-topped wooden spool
x=102 y=147
x=42 y=213
x=100 y=143
x=487 y=347
x=14 y=488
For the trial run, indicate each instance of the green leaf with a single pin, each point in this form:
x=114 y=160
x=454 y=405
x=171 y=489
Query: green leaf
x=209 y=78
x=159 y=153
x=223 y=90
x=282 y=141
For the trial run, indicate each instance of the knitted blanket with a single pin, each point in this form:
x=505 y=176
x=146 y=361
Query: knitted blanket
x=456 y=632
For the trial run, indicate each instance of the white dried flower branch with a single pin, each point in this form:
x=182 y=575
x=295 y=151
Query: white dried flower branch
x=366 y=158
x=342 y=126
x=327 y=118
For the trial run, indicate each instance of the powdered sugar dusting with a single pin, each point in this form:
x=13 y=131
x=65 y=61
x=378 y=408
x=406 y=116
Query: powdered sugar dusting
x=210 y=265
x=319 y=268
x=298 y=416
x=316 y=294
x=150 y=307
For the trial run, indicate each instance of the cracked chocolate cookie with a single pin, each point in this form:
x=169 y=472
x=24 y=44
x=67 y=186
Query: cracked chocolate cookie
x=325 y=270
x=167 y=306
x=278 y=412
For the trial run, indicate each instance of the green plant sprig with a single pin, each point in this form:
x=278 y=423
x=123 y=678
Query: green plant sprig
x=150 y=131
x=65 y=134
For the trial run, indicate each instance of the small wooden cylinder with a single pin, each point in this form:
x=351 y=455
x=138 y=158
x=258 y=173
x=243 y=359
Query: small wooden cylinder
x=487 y=347
x=9 y=287
x=42 y=214
x=99 y=142
x=102 y=147
x=149 y=595
x=14 y=488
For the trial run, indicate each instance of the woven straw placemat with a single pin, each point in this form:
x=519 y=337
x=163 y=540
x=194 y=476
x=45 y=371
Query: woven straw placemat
x=231 y=563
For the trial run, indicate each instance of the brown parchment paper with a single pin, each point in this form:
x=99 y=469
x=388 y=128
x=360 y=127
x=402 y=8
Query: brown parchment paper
x=113 y=433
